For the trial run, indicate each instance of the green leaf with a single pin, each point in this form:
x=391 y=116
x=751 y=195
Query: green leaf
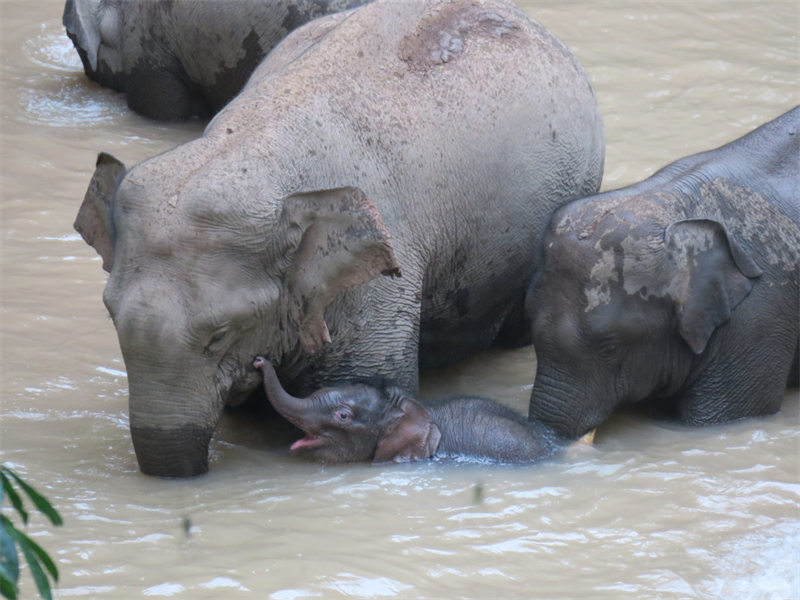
x=8 y=589
x=40 y=501
x=39 y=576
x=42 y=556
x=9 y=561
x=16 y=501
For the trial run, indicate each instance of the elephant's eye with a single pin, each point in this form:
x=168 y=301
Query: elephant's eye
x=343 y=415
x=217 y=338
x=609 y=350
x=214 y=340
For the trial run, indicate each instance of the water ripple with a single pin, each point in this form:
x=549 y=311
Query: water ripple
x=366 y=587
x=52 y=48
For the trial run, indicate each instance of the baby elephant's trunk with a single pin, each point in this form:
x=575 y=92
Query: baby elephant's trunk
x=288 y=406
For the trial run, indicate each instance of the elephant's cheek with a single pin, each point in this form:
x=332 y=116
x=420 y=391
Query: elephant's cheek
x=243 y=388
x=179 y=452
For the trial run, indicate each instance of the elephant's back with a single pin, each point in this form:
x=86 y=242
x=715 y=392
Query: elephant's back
x=465 y=122
x=220 y=54
x=425 y=95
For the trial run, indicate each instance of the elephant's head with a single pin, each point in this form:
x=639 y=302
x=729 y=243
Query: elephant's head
x=355 y=423
x=208 y=270
x=624 y=304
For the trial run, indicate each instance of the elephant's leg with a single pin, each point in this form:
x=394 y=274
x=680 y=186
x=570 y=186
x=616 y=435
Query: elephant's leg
x=396 y=323
x=164 y=95
x=793 y=380
x=442 y=347
x=743 y=385
x=516 y=329
x=374 y=338
x=708 y=405
x=459 y=327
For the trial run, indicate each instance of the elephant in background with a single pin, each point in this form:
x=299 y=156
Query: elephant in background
x=367 y=145
x=681 y=290
x=175 y=60
x=358 y=423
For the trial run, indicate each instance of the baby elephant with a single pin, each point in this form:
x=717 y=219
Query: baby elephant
x=360 y=422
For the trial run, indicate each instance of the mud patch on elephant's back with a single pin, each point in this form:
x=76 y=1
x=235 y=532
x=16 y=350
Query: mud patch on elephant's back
x=754 y=219
x=442 y=36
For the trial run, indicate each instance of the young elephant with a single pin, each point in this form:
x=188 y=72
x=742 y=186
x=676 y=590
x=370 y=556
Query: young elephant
x=681 y=289
x=360 y=422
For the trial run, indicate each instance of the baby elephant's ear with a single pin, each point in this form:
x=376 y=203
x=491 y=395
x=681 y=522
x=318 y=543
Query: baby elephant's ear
x=712 y=274
x=411 y=436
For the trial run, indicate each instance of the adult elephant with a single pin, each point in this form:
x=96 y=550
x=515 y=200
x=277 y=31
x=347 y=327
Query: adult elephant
x=682 y=289
x=427 y=139
x=175 y=60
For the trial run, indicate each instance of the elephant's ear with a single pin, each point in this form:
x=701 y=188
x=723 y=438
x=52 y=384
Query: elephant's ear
x=81 y=20
x=711 y=275
x=94 y=216
x=411 y=435
x=344 y=243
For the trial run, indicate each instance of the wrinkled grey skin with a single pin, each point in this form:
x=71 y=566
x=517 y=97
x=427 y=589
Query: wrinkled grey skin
x=358 y=423
x=382 y=141
x=682 y=289
x=176 y=60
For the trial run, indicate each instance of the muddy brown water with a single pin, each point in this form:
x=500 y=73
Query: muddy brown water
x=654 y=510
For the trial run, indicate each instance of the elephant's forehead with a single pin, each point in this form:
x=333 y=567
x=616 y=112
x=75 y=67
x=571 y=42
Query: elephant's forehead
x=151 y=223
x=601 y=243
x=165 y=213
x=609 y=214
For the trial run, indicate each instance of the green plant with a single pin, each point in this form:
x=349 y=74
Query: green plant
x=38 y=560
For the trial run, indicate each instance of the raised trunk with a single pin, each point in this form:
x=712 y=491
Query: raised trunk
x=292 y=409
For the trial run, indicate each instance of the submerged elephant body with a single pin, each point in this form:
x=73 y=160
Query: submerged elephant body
x=359 y=423
x=383 y=141
x=175 y=60
x=682 y=289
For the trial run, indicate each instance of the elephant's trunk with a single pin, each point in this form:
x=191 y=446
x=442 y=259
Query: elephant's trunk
x=180 y=452
x=173 y=414
x=571 y=411
x=171 y=428
x=175 y=399
x=291 y=408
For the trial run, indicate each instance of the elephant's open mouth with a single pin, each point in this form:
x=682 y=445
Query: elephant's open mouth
x=309 y=442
